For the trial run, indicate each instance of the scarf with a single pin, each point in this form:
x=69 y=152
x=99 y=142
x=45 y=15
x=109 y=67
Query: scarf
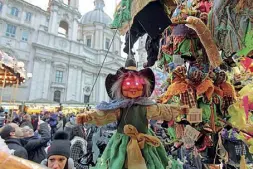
x=124 y=103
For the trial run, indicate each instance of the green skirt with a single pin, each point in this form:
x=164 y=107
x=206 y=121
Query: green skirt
x=115 y=154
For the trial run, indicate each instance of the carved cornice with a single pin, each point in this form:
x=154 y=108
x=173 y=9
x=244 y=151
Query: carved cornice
x=60 y=64
x=74 y=66
x=43 y=60
x=29 y=5
x=18 y=23
x=88 y=73
x=58 y=85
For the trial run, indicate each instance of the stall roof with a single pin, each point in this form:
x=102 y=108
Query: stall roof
x=44 y=101
x=72 y=102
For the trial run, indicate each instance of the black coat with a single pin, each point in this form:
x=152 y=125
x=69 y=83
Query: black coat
x=16 y=145
x=36 y=146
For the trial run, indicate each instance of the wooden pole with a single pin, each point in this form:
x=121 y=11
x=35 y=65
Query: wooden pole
x=3 y=85
x=15 y=92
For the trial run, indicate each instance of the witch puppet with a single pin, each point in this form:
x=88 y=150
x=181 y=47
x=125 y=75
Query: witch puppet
x=134 y=145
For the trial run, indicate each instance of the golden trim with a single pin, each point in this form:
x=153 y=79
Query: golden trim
x=131 y=68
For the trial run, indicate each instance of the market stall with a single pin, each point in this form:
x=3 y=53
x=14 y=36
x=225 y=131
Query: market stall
x=12 y=72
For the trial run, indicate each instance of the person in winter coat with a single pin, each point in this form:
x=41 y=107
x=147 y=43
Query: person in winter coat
x=99 y=141
x=11 y=133
x=64 y=119
x=53 y=124
x=92 y=151
x=59 y=126
x=27 y=121
x=35 y=121
x=36 y=146
x=69 y=125
x=58 y=155
x=78 y=148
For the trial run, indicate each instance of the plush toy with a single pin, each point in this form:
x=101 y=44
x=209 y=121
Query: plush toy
x=206 y=40
x=134 y=144
x=224 y=90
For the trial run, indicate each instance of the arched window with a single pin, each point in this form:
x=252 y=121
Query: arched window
x=88 y=41
x=107 y=43
x=11 y=30
x=63 y=29
x=1 y=5
x=57 y=96
x=14 y=11
x=28 y=16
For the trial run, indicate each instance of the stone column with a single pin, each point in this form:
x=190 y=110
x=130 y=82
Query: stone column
x=101 y=88
x=4 y=10
x=106 y=97
x=40 y=79
x=96 y=89
x=53 y=23
x=99 y=37
x=94 y=92
x=70 y=82
x=104 y=89
x=82 y=86
x=74 y=30
x=34 y=80
x=22 y=16
x=47 y=80
x=78 y=85
x=97 y=40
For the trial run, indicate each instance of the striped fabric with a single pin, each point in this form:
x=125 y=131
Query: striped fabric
x=189 y=98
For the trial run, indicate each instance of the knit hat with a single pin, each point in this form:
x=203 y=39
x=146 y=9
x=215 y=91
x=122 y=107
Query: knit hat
x=60 y=145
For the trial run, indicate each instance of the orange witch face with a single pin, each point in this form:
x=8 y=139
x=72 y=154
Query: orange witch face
x=132 y=87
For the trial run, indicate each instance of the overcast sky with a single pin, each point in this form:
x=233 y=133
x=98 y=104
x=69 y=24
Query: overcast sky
x=84 y=6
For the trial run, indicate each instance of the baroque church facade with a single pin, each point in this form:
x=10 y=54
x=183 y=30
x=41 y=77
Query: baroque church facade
x=62 y=49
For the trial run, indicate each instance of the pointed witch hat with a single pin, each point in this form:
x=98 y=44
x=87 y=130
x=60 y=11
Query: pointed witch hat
x=130 y=65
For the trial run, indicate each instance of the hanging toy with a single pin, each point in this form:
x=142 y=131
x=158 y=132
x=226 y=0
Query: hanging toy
x=206 y=40
x=131 y=145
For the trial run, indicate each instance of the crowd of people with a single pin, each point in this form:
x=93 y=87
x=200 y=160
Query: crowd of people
x=55 y=140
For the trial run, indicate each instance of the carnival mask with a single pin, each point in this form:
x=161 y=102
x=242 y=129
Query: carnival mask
x=132 y=87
